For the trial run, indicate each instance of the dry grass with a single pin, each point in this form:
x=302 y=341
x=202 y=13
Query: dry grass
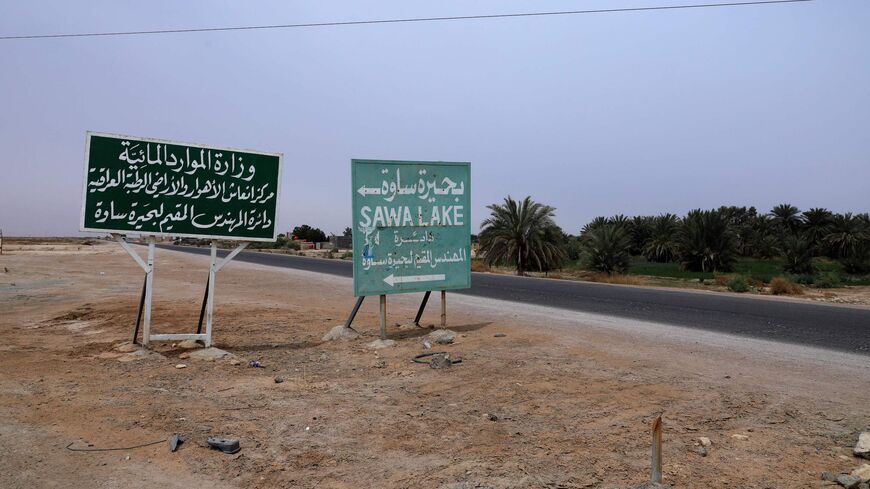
x=479 y=266
x=784 y=286
x=616 y=279
x=722 y=279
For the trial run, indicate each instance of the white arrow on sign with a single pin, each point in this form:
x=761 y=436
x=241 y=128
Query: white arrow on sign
x=391 y=279
x=369 y=191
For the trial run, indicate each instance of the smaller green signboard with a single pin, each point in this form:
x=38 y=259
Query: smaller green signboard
x=411 y=226
x=156 y=187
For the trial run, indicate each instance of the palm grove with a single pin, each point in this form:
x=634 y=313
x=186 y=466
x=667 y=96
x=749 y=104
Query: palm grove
x=523 y=234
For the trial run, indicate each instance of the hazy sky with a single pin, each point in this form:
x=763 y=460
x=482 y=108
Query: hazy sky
x=628 y=113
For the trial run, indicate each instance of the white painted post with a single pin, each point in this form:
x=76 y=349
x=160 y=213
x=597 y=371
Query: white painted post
x=443 y=309
x=383 y=310
x=209 y=308
x=149 y=288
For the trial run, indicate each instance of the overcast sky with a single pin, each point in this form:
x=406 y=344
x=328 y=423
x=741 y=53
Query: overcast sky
x=633 y=113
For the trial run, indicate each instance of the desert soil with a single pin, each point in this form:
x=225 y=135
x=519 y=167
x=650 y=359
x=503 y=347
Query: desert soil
x=561 y=399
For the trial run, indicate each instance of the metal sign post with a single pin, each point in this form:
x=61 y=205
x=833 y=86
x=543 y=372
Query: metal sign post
x=412 y=230
x=159 y=188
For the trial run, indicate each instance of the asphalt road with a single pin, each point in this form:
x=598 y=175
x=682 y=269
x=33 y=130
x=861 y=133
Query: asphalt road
x=821 y=325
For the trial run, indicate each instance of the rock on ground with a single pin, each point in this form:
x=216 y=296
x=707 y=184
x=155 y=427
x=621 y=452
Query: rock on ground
x=340 y=333
x=189 y=345
x=849 y=481
x=443 y=336
x=704 y=441
x=862 y=472
x=378 y=344
x=209 y=354
x=862 y=448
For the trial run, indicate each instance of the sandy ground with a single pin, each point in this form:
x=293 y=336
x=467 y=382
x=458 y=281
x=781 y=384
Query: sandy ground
x=563 y=400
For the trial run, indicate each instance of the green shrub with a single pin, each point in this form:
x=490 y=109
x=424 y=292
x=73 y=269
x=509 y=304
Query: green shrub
x=803 y=279
x=738 y=283
x=828 y=281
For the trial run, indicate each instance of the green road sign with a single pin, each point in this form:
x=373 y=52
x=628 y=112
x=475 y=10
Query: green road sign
x=155 y=187
x=411 y=226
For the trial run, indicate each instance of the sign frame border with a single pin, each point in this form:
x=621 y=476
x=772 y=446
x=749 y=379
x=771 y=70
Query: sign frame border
x=82 y=227
x=353 y=161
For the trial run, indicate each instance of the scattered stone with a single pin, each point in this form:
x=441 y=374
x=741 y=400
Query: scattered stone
x=235 y=361
x=426 y=344
x=443 y=336
x=181 y=365
x=408 y=326
x=278 y=380
x=189 y=345
x=491 y=417
x=864 y=485
x=704 y=441
x=827 y=476
x=378 y=344
x=863 y=472
x=862 y=448
x=702 y=451
x=499 y=335
x=209 y=354
x=379 y=364
x=184 y=356
x=127 y=347
x=740 y=437
x=341 y=333
x=849 y=481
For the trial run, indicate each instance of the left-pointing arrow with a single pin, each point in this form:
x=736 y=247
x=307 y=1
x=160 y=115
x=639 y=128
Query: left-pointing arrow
x=369 y=191
x=392 y=279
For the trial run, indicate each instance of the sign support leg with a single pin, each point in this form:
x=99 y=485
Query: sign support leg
x=443 y=309
x=359 y=301
x=139 y=312
x=204 y=300
x=209 y=308
x=383 y=317
x=422 y=307
x=149 y=289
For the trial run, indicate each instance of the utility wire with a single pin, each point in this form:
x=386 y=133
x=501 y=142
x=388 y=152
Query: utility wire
x=397 y=21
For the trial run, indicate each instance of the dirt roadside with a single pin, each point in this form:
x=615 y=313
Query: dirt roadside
x=563 y=400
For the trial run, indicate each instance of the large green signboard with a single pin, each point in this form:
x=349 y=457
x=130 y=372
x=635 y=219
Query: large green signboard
x=155 y=187
x=412 y=228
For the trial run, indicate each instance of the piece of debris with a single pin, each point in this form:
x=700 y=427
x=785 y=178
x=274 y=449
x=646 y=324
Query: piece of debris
x=378 y=344
x=491 y=417
x=499 y=335
x=341 y=333
x=440 y=359
x=174 y=441
x=740 y=437
x=181 y=365
x=862 y=448
x=278 y=380
x=209 y=354
x=255 y=364
x=704 y=441
x=226 y=445
x=443 y=336
x=427 y=345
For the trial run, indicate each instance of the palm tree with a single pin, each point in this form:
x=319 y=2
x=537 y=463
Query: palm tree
x=849 y=241
x=607 y=248
x=798 y=253
x=816 y=225
x=662 y=247
x=787 y=217
x=705 y=242
x=521 y=234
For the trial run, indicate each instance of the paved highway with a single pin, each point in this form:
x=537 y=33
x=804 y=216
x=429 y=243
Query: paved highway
x=822 y=325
